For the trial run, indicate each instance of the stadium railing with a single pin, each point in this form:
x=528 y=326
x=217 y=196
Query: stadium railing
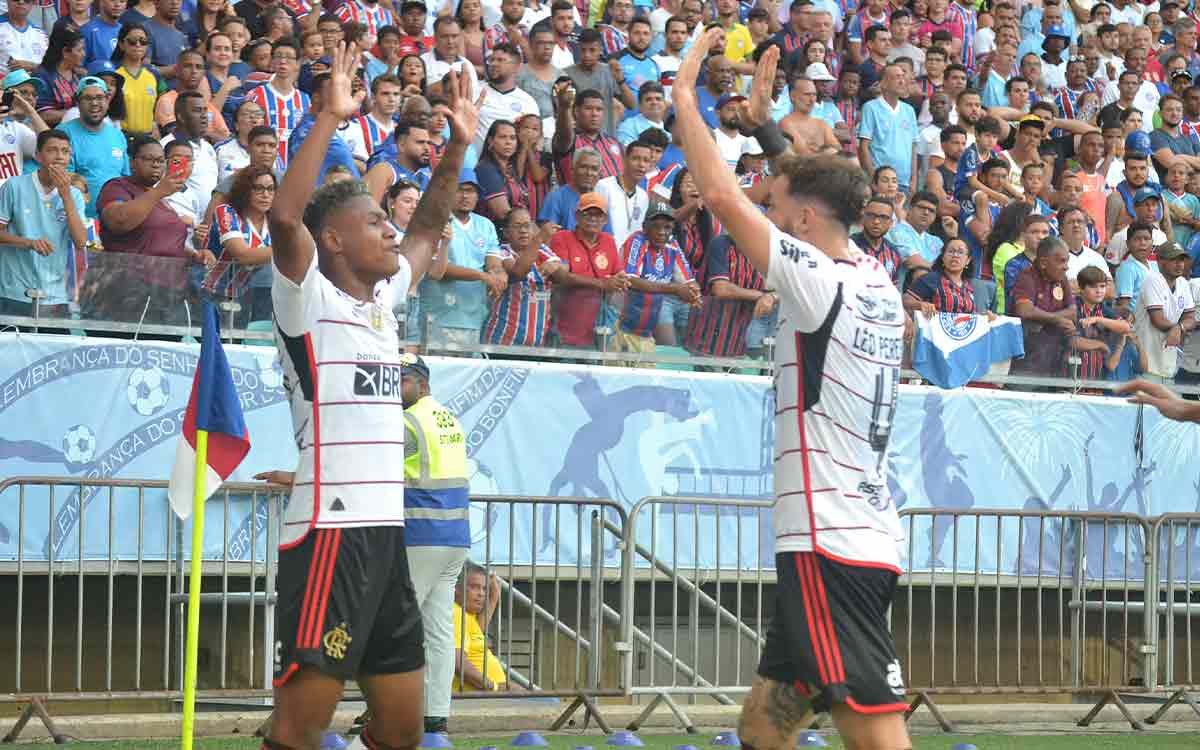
x=98 y=591
x=1176 y=547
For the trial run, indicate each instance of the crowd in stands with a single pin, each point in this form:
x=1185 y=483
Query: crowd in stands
x=1037 y=158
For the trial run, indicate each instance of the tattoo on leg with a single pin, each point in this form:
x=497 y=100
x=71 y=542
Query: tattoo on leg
x=786 y=707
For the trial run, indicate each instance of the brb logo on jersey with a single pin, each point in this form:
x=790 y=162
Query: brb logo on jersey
x=379 y=381
x=958 y=327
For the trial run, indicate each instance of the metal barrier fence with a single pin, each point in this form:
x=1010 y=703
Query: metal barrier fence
x=664 y=604
x=99 y=605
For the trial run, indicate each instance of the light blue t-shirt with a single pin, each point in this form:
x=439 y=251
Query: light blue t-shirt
x=462 y=304
x=638 y=72
x=993 y=90
x=781 y=107
x=892 y=134
x=632 y=127
x=31 y=213
x=559 y=207
x=827 y=112
x=97 y=155
x=1130 y=276
x=908 y=242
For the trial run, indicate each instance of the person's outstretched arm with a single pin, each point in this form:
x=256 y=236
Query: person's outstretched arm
x=291 y=242
x=750 y=230
x=1168 y=403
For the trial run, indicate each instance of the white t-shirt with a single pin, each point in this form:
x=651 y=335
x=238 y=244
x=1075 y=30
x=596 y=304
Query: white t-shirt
x=732 y=146
x=436 y=70
x=668 y=65
x=1076 y=262
x=497 y=105
x=205 y=172
x=837 y=365
x=1161 y=360
x=361 y=137
x=1189 y=358
x=625 y=212
x=341 y=371
x=1118 y=245
x=18 y=142
x=28 y=44
x=231 y=157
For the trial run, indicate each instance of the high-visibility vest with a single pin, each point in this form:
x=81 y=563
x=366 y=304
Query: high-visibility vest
x=436 y=496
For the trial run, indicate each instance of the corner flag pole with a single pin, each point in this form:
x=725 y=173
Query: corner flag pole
x=193 y=621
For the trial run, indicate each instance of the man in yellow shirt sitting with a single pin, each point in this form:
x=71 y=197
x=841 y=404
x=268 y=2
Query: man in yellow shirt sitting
x=475 y=666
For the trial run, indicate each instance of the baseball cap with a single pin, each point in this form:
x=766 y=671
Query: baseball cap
x=1170 y=250
x=818 y=72
x=1056 y=31
x=101 y=67
x=752 y=147
x=1031 y=121
x=658 y=209
x=17 y=77
x=1181 y=74
x=1138 y=142
x=467 y=177
x=728 y=99
x=412 y=364
x=1144 y=194
x=591 y=200
x=85 y=82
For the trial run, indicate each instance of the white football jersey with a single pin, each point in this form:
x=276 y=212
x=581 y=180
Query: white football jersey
x=837 y=375
x=341 y=366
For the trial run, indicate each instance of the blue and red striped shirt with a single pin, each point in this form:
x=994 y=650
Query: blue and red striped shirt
x=225 y=277
x=611 y=156
x=372 y=15
x=642 y=260
x=283 y=112
x=521 y=315
x=718 y=329
x=944 y=294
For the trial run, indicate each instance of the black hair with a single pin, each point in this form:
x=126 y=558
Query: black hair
x=951 y=130
x=329 y=199
x=127 y=29
x=258 y=131
x=62 y=38
x=137 y=143
x=53 y=134
x=1006 y=227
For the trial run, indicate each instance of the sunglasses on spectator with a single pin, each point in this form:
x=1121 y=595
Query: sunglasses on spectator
x=137 y=41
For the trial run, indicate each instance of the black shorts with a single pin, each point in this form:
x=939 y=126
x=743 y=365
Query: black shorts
x=830 y=635
x=347 y=606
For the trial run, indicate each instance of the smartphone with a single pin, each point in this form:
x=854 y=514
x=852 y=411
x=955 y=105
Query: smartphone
x=178 y=168
x=6 y=101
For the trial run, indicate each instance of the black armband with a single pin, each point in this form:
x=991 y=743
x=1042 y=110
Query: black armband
x=771 y=138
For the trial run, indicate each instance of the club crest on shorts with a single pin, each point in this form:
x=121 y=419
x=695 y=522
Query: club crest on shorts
x=336 y=642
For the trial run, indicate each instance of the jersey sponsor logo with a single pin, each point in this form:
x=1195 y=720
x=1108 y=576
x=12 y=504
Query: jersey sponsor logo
x=895 y=677
x=882 y=309
x=958 y=327
x=337 y=504
x=377 y=380
x=337 y=640
x=795 y=253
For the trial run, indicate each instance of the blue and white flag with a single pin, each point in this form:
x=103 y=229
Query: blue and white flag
x=952 y=349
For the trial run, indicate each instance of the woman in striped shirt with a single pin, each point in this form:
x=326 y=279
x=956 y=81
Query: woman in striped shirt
x=947 y=288
x=520 y=315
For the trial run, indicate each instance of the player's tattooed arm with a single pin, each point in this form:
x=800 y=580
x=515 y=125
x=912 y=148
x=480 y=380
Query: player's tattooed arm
x=433 y=211
x=772 y=716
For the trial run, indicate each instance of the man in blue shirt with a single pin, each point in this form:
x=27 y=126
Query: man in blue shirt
x=558 y=210
x=338 y=153
x=652 y=108
x=41 y=228
x=167 y=41
x=887 y=134
x=637 y=69
x=100 y=33
x=456 y=306
x=98 y=148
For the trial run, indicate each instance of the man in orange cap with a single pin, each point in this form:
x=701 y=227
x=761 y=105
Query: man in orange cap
x=591 y=269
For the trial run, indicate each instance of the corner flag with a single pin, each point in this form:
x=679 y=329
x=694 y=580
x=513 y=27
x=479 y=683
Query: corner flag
x=215 y=411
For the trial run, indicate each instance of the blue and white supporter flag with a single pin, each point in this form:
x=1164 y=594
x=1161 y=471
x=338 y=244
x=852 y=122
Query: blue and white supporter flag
x=951 y=349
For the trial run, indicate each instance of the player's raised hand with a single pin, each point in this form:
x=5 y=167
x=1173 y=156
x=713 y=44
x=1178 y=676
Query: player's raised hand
x=689 y=69
x=340 y=100
x=462 y=110
x=755 y=111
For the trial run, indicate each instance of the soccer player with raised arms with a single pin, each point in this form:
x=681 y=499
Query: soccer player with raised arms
x=837 y=361
x=347 y=609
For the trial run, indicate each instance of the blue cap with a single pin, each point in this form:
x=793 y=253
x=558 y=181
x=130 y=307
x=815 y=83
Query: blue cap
x=1059 y=31
x=413 y=365
x=467 y=176
x=101 y=67
x=727 y=98
x=17 y=77
x=1138 y=142
x=1144 y=194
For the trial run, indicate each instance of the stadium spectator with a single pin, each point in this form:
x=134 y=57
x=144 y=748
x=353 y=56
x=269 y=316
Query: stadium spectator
x=234 y=153
x=626 y=199
x=668 y=60
x=1011 y=260
x=470 y=19
x=520 y=316
x=633 y=68
x=538 y=75
x=475 y=666
x=59 y=76
x=503 y=100
x=720 y=80
x=952 y=141
x=651 y=113
x=1169 y=144
x=253 y=15
x=455 y=307
x=501 y=188
x=41 y=230
x=590 y=74
x=559 y=209
x=140 y=82
x=447 y=54
x=614 y=35
x=727 y=134
x=1135 y=268
x=413 y=76
x=810 y=135
x=22 y=45
x=100 y=33
x=98 y=150
x=283 y=104
x=1183 y=206
x=510 y=29
x=1147 y=209
x=338 y=153
x=1075 y=191
x=191 y=126
x=408 y=161
x=734 y=295
x=876 y=222
x=167 y=41
x=240 y=239
x=590 y=271
x=981 y=213
x=912 y=237
x=947 y=287
x=1073 y=224
x=1042 y=299
x=655 y=268
x=18 y=141
x=136 y=219
x=1165 y=313
x=888 y=132
x=1102 y=332
x=206 y=20
x=535 y=167
x=369 y=131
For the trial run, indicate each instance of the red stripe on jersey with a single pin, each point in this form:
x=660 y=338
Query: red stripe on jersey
x=824 y=663
x=847 y=388
x=821 y=452
x=342 y=322
x=311 y=366
x=812 y=518
x=825 y=614
x=353 y=403
x=862 y=563
x=883 y=708
x=846 y=430
x=361 y=481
